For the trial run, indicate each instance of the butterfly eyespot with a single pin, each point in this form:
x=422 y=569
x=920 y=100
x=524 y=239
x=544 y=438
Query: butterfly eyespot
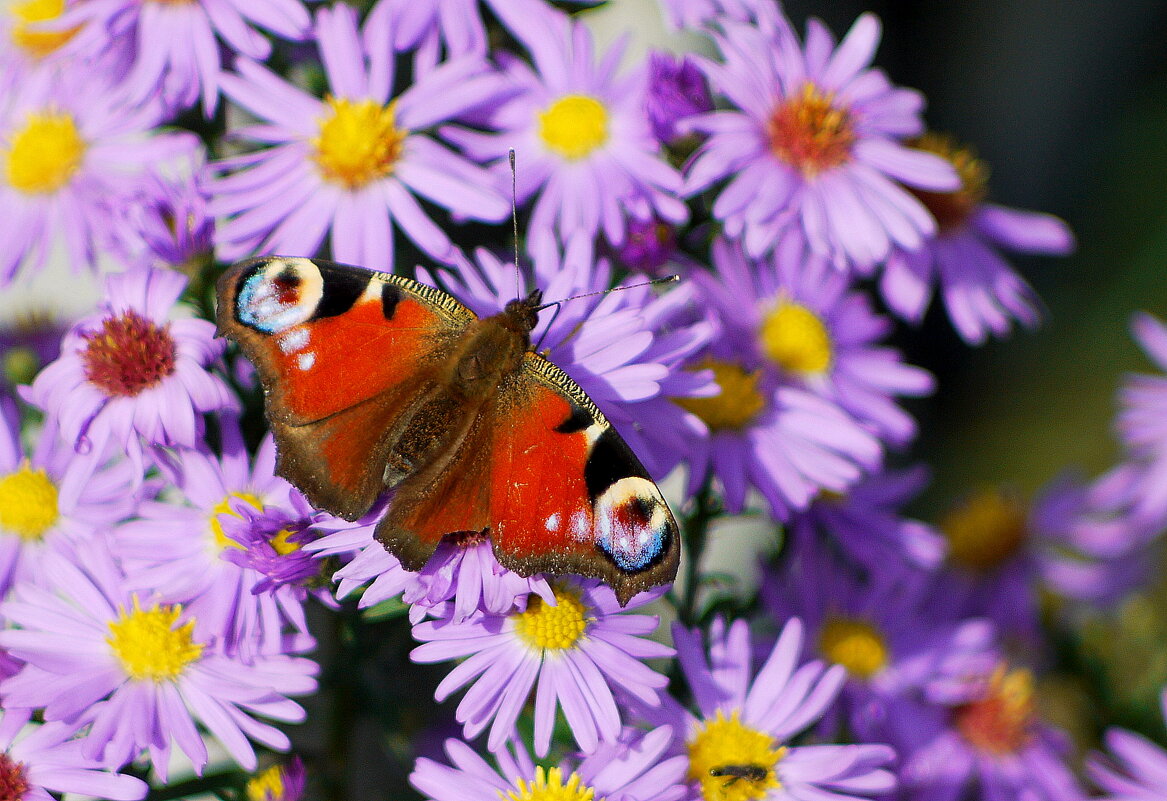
x=632 y=523
x=278 y=294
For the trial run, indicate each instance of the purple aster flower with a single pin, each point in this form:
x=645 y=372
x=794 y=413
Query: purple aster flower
x=272 y=542
x=39 y=760
x=136 y=672
x=1135 y=768
x=584 y=138
x=572 y=655
x=881 y=628
x=817 y=333
x=747 y=720
x=766 y=427
x=981 y=291
x=696 y=14
x=990 y=746
x=131 y=370
x=284 y=782
x=866 y=524
x=175 y=46
x=74 y=151
x=168 y=224
x=50 y=500
x=352 y=163
x=676 y=89
x=814 y=143
x=623 y=348
x=182 y=553
x=633 y=769
x=29 y=341
x=33 y=34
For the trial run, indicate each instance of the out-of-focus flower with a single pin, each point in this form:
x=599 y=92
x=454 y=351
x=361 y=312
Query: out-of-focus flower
x=36 y=760
x=352 y=164
x=175 y=46
x=71 y=152
x=572 y=655
x=135 y=673
x=814 y=142
x=981 y=291
x=586 y=143
x=168 y=224
x=132 y=370
x=747 y=719
x=635 y=768
x=284 y=782
x=1134 y=769
x=992 y=744
x=676 y=89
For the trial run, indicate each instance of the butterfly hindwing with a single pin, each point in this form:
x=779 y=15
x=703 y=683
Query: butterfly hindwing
x=567 y=493
x=341 y=352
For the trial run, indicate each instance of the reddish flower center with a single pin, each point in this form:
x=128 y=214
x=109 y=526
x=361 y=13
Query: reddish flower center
x=13 y=779
x=952 y=209
x=810 y=134
x=128 y=354
x=1002 y=721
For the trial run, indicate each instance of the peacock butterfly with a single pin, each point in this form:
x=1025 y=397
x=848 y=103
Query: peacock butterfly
x=375 y=383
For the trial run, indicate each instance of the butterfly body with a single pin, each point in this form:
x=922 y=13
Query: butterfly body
x=377 y=383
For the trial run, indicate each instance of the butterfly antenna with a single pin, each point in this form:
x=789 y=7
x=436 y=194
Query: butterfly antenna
x=515 y=223
x=668 y=279
x=558 y=304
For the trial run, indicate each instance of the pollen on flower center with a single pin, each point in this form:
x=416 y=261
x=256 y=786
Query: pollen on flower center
x=28 y=503
x=573 y=126
x=359 y=141
x=795 y=339
x=267 y=785
x=809 y=133
x=147 y=644
x=736 y=405
x=553 y=627
x=732 y=761
x=13 y=779
x=548 y=785
x=985 y=530
x=223 y=507
x=952 y=209
x=38 y=43
x=128 y=354
x=45 y=153
x=855 y=644
x=1002 y=721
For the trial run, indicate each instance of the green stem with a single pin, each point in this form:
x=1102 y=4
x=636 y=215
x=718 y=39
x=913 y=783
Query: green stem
x=695 y=530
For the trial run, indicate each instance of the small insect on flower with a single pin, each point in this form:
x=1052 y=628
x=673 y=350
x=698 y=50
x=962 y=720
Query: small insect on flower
x=736 y=773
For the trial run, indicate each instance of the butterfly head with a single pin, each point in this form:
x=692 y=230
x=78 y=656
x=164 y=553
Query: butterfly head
x=522 y=314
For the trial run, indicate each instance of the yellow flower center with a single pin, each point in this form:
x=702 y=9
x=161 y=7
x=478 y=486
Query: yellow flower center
x=855 y=644
x=1002 y=721
x=573 y=126
x=44 y=154
x=267 y=785
x=796 y=339
x=281 y=545
x=359 y=142
x=952 y=209
x=148 y=645
x=548 y=785
x=985 y=530
x=809 y=133
x=223 y=507
x=28 y=503
x=556 y=627
x=733 y=762
x=736 y=405
x=38 y=43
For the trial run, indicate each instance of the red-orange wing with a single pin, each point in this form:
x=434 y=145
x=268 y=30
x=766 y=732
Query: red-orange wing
x=341 y=353
x=567 y=494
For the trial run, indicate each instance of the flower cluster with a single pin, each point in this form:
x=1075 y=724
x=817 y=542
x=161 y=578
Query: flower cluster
x=167 y=594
